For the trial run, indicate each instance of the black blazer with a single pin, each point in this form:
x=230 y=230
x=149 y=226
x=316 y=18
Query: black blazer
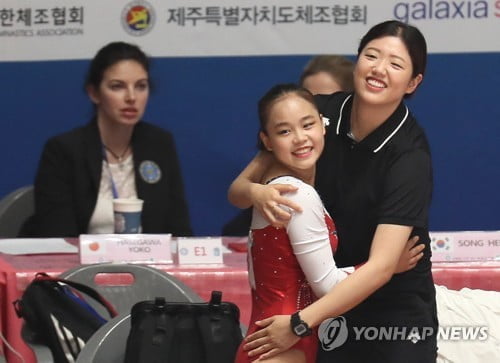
x=69 y=174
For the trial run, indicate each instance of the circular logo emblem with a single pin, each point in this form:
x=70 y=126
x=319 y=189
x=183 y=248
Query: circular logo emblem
x=150 y=172
x=332 y=333
x=94 y=246
x=138 y=18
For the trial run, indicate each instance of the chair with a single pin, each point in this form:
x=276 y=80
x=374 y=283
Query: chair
x=108 y=344
x=15 y=209
x=148 y=283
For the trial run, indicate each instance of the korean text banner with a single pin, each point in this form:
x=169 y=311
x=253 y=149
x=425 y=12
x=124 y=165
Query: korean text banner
x=74 y=29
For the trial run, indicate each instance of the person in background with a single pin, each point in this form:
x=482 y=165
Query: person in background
x=375 y=179
x=115 y=155
x=326 y=74
x=323 y=74
x=289 y=267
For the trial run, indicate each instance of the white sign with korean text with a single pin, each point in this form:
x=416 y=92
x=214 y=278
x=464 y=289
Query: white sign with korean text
x=74 y=29
x=135 y=248
x=199 y=250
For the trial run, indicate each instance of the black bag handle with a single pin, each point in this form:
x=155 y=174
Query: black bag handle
x=215 y=305
x=42 y=276
x=216 y=298
x=213 y=326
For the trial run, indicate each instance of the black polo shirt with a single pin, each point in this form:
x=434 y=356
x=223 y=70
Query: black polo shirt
x=384 y=179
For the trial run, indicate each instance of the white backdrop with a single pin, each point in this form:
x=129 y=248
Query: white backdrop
x=74 y=29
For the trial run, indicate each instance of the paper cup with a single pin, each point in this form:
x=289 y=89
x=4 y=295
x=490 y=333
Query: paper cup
x=127 y=213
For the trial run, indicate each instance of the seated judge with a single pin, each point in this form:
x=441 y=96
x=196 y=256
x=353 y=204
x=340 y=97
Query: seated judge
x=115 y=155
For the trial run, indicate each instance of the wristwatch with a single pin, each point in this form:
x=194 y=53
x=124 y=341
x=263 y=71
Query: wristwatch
x=299 y=326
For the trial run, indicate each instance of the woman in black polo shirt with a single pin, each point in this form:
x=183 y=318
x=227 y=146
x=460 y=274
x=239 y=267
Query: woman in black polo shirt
x=375 y=178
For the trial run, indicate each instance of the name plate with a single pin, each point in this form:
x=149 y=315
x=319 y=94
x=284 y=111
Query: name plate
x=122 y=248
x=199 y=250
x=465 y=246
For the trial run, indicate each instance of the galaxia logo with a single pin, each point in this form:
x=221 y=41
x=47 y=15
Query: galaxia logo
x=138 y=18
x=431 y=9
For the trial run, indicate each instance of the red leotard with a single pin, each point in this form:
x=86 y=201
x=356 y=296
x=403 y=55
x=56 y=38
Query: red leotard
x=279 y=286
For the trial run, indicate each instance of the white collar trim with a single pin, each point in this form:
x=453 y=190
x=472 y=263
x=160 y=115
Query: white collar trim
x=394 y=132
x=388 y=137
x=340 y=113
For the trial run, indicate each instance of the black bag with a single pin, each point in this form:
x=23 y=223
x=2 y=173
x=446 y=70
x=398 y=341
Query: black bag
x=167 y=332
x=58 y=316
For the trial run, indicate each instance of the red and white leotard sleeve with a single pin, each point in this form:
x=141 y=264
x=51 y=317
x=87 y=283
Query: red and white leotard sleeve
x=310 y=237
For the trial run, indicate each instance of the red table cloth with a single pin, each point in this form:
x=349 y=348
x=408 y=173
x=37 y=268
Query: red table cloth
x=16 y=272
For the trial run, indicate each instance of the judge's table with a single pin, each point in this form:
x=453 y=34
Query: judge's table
x=231 y=277
x=17 y=271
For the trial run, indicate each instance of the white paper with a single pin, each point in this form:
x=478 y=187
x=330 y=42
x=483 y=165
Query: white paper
x=29 y=246
x=142 y=248
x=193 y=250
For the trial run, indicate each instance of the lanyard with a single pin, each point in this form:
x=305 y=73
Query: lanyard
x=113 y=186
